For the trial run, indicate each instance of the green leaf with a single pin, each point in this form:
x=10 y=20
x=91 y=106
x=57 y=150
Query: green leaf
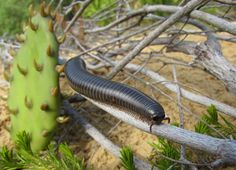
x=212 y=119
x=69 y=159
x=202 y=128
x=7 y=160
x=168 y=149
x=23 y=142
x=127 y=158
x=213 y=114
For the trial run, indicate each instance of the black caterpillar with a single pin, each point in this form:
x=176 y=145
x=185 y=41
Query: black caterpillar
x=112 y=93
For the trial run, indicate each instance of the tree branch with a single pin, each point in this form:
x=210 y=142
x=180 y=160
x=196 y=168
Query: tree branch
x=203 y=16
x=225 y=149
x=100 y=138
x=78 y=14
x=154 y=34
x=231 y=2
x=210 y=57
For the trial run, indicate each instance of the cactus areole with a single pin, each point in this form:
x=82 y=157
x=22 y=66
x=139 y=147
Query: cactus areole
x=34 y=97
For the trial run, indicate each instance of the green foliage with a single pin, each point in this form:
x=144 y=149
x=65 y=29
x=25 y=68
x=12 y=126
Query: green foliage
x=168 y=149
x=8 y=161
x=217 y=121
x=127 y=158
x=68 y=159
x=23 y=158
x=34 y=97
x=13 y=13
x=24 y=140
x=95 y=6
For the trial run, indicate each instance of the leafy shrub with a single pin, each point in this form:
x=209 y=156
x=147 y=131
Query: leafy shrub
x=24 y=158
x=167 y=149
x=13 y=13
x=98 y=5
x=216 y=121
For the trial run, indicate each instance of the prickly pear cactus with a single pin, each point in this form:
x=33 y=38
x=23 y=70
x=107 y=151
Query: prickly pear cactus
x=34 y=93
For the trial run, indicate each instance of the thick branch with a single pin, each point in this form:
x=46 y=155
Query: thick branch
x=208 y=18
x=224 y=149
x=209 y=56
x=100 y=138
x=232 y=2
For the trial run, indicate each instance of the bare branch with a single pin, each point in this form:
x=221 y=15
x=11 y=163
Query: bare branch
x=223 y=148
x=130 y=15
x=181 y=114
x=231 y=2
x=154 y=34
x=208 y=18
x=59 y=5
x=100 y=138
x=120 y=38
x=78 y=14
x=209 y=55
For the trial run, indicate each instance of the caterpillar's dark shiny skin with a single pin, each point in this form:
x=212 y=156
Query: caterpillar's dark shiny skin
x=112 y=93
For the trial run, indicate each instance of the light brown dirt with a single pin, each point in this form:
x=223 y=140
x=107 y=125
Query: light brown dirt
x=125 y=135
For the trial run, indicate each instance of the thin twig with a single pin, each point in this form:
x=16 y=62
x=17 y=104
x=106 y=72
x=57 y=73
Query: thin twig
x=78 y=14
x=59 y=5
x=181 y=114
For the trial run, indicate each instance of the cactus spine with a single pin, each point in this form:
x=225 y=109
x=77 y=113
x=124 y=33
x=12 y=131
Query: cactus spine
x=34 y=97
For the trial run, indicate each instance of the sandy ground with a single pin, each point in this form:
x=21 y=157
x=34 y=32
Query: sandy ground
x=125 y=135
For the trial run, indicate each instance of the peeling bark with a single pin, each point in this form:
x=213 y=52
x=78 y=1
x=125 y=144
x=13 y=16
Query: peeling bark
x=209 y=56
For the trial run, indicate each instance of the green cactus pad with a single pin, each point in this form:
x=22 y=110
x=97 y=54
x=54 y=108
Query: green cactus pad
x=34 y=97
